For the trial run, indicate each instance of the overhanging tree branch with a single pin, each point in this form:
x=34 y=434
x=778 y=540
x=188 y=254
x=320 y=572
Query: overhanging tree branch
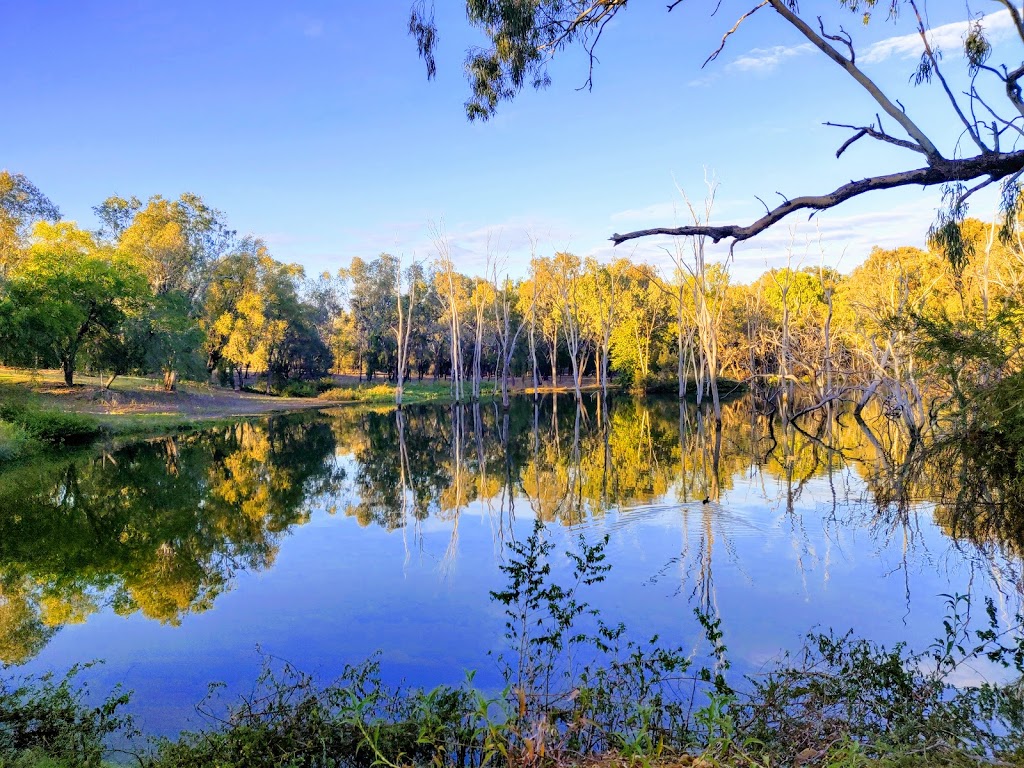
x=897 y=114
x=524 y=36
x=940 y=171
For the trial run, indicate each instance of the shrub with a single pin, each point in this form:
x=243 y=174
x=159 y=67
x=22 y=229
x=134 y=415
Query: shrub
x=355 y=722
x=362 y=394
x=299 y=389
x=52 y=426
x=44 y=721
x=14 y=441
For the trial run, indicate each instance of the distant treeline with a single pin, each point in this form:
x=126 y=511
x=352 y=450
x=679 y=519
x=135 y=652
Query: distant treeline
x=165 y=286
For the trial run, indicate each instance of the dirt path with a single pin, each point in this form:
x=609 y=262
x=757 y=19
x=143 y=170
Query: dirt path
x=207 y=404
x=137 y=396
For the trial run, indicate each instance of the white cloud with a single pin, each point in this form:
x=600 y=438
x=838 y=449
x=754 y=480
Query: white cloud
x=764 y=60
x=845 y=239
x=655 y=211
x=509 y=242
x=948 y=38
x=703 y=82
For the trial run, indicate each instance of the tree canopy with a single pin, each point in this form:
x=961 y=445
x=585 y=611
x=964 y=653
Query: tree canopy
x=523 y=37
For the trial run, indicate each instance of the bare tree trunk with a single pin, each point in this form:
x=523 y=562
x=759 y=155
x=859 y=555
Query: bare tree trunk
x=403 y=331
x=553 y=347
x=533 y=344
x=478 y=344
x=450 y=298
x=707 y=321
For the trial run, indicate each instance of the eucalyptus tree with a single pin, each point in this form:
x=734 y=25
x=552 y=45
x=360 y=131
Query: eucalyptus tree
x=233 y=277
x=523 y=38
x=637 y=334
x=21 y=206
x=429 y=335
x=707 y=283
x=452 y=294
x=506 y=317
x=256 y=320
x=602 y=291
x=566 y=269
x=405 y=306
x=884 y=299
x=373 y=304
x=527 y=306
x=175 y=244
x=798 y=347
x=547 y=306
x=482 y=298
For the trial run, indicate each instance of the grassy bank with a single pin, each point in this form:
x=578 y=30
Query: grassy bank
x=382 y=394
x=578 y=692
x=37 y=410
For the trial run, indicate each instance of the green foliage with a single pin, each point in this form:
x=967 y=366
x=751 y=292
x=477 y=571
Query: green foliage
x=22 y=203
x=521 y=37
x=579 y=685
x=356 y=721
x=299 y=389
x=59 y=427
x=890 y=702
x=47 y=721
x=415 y=392
x=15 y=440
x=575 y=691
x=64 y=293
x=255 y=319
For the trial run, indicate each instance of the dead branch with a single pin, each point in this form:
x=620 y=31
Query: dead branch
x=939 y=171
x=875 y=133
x=897 y=114
x=732 y=31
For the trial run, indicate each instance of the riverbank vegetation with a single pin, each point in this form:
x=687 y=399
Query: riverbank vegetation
x=578 y=690
x=165 y=287
x=38 y=413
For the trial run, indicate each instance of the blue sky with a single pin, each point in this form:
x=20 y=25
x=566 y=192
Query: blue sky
x=312 y=125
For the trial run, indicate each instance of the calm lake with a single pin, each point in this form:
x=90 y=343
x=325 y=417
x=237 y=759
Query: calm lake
x=324 y=538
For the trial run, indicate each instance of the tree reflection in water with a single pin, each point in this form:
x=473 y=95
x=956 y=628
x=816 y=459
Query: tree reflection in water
x=158 y=528
x=161 y=528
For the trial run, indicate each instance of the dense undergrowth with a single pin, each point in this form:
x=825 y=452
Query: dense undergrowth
x=578 y=691
x=25 y=427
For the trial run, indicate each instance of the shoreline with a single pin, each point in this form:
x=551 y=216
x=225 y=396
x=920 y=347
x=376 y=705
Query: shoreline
x=139 y=407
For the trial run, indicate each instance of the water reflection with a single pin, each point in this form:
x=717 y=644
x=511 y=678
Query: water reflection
x=161 y=529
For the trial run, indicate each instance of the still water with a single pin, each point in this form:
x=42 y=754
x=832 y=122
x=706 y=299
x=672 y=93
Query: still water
x=324 y=538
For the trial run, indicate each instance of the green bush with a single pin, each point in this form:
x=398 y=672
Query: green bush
x=300 y=389
x=51 y=426
x=415 y=392
x=45 y=721
x=355 y=722
x=578 y=692
x=360 y=393
x=14 y=441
